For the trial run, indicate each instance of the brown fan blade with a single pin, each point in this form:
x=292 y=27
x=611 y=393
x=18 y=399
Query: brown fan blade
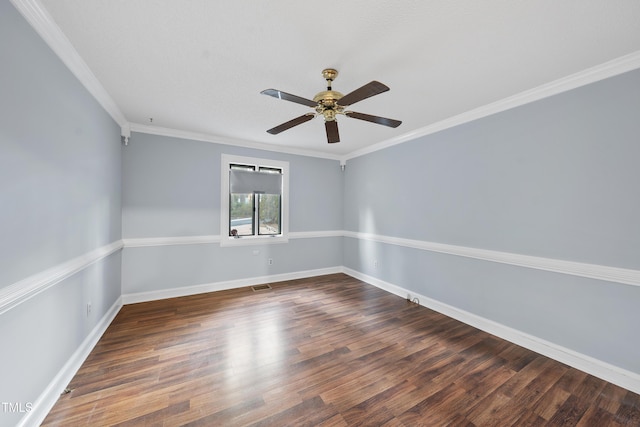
x=288 y=97
x=291 y=123
x=332 y=131
x=373 y=119
x=366 y=91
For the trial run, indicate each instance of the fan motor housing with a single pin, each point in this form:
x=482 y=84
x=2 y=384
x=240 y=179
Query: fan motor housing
x=328 y=98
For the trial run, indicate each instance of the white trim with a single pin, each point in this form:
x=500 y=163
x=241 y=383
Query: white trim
x=41 y=21
x=622 y=377
x=315 y=234
x=45 y=26
x=25 y=289
x=50 y=395
x=221 y=286
x=196 y=136
x=138 y=242
x=594 y=74
x=591 y=271
x=590 y=75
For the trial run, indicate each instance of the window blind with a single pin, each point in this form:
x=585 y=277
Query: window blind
x=248 y=182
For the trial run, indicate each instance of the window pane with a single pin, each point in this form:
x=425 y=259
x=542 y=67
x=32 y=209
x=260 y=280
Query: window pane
x=242 y=167
x=269 y=170
x=269 y=213
x=241 y=214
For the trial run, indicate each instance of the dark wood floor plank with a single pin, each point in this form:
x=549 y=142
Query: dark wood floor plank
x=325 y=351
x=629 y=410
x=530 y=419
x=570 y=413
x=610 y=398
x=550 y=402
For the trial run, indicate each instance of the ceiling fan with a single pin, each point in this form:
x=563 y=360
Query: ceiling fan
x=330 y=103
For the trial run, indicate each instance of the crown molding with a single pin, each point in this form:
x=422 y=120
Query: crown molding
x=45 y=26
x=603 y=71
x=196 y=136
x=42 y=22
x=594 y=74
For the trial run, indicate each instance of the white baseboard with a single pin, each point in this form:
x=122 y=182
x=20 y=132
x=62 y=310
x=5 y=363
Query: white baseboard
x=221 y=286
x=41 y=407
x=50 y=395
x=613 y=374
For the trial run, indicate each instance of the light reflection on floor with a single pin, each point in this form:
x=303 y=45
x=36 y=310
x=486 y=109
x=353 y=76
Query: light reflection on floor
x=254 y=345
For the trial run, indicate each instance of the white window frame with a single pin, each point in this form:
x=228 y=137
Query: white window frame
x=225 y=239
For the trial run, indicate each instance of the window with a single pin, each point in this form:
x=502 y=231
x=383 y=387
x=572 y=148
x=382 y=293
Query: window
x=254 y=201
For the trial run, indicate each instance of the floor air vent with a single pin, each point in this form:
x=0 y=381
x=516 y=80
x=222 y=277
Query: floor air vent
x=260 y=288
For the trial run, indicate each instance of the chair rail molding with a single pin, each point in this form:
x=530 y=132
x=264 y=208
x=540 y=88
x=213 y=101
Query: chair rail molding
x=19 y=292
x=137 y=242
x=590 y=271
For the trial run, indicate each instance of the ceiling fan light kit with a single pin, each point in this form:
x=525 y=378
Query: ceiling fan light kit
x=329 y=103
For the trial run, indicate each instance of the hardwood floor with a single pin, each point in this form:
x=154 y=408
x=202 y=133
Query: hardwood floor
x=325 y=351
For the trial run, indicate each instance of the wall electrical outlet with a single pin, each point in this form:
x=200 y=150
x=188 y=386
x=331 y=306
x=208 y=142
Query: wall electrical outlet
x=270 y=261
x=375 y=263
x=88 y=308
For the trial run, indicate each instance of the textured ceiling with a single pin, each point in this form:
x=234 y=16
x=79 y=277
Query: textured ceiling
x=199 y=65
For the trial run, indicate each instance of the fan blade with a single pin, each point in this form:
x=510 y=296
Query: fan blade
x=288 y=97
x=332 y=131
x=366 y=91
x=373 y=119
x=291 y=123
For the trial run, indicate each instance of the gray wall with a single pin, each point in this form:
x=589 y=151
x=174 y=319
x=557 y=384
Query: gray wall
x=171 y=188
x=557 y=178
x=60 y=172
